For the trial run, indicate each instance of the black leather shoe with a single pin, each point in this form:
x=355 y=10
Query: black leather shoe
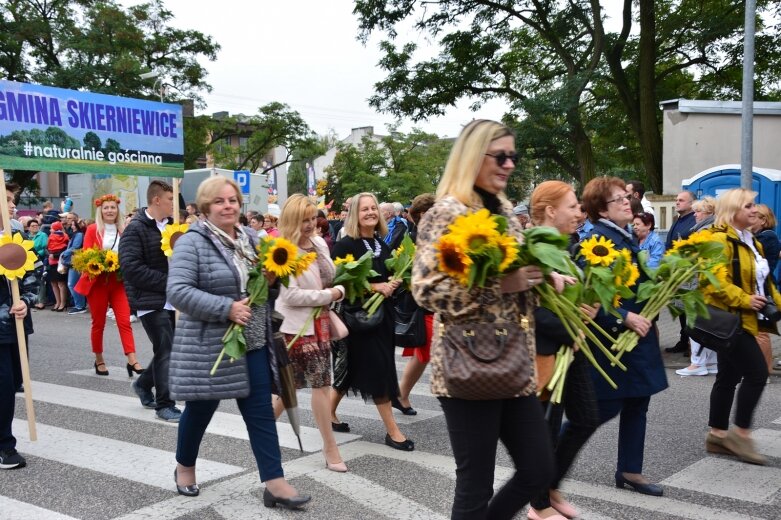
x=680 y=347
x=189 y=491
x=405 y=445
x=406 y=410
x=341 y=427
x=644 y=489
x=296 y=502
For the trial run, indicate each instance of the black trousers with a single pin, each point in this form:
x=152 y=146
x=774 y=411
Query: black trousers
x=475 y=427
x=684 y=335
x=580 y=403
x=743 y=364
x=159 y=326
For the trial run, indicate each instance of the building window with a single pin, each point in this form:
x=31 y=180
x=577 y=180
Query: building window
x=63 y=182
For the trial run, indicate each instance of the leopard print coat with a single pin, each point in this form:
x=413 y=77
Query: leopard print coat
x=453 y=302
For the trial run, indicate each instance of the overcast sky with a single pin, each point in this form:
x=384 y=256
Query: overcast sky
x=303 y=53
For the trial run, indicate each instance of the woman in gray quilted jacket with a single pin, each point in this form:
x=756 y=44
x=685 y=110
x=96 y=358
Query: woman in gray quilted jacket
x=207 y=283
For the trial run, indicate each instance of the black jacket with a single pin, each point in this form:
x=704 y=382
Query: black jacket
x=28 y=289
x=143 y=263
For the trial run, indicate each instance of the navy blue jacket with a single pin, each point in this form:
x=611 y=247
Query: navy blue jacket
x=681 y=229
x=645 y=373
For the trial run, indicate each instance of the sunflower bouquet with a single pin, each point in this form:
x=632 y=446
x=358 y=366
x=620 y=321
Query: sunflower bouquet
x=477 y=248
x=279 y=257
x=400 y=264
x=546 y=248
x=95 y=261
x=698 y=255
x=354 y=275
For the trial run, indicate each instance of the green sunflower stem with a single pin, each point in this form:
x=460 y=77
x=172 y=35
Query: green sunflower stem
x=312 y=316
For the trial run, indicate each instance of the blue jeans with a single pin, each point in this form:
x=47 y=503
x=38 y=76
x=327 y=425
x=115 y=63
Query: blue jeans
x=79 y=301
x=10 y=379
x=258 y=415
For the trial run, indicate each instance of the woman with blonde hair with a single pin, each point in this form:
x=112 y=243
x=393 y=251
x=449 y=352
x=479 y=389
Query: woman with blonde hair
x=310 y=355
x=480 y=164
x=107 y=289
x=747 y=296
x=371 y=363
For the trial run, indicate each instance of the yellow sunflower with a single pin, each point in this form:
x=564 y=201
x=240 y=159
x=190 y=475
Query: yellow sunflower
x=94 y=268
x=508 y=245
x=702 y=236
x=16 y=256
x=629 y=273
x=281 y=257
x=170 y=235
x=111 y=262
x=345 y=260
x=304 y=261
x=475 y=231
x=599 y=251
x=452 y=260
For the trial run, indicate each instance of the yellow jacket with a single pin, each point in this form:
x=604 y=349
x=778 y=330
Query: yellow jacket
x=733 y=297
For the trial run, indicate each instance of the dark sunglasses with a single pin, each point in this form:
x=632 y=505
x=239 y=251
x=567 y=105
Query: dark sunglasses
x=502 y=157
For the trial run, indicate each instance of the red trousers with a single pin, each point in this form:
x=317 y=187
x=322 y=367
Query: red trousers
x=107 y=290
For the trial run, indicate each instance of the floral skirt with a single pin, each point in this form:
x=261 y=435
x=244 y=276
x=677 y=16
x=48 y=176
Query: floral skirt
x=311 y=356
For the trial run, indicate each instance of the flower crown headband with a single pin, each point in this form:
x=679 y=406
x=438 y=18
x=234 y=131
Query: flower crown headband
x=106 y=198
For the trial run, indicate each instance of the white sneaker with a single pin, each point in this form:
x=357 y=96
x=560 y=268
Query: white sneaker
x=713 y=369
x=133 y=318
x=110 y=314
x=698 y=371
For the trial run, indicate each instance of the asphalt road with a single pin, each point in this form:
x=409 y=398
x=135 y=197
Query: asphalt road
x=101 y=456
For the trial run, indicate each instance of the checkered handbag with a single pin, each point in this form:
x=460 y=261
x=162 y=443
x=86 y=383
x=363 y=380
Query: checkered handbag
x=483 y=361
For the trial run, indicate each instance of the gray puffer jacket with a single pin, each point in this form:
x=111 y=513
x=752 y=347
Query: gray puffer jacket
x=202 y=285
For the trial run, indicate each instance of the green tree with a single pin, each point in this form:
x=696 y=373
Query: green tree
x=305 y=152
x=583 y=99
x=91 y=140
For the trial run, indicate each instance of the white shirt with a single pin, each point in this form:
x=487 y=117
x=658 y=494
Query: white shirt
x=110 y=237
x=161 y=226
x=647 y=206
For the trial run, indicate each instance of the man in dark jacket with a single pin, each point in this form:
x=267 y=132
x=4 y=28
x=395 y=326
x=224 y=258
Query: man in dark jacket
x=681 y=229
x=145 y=273
x=10 y=367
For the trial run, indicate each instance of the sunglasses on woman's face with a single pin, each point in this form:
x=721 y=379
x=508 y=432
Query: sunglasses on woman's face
x=502 y=157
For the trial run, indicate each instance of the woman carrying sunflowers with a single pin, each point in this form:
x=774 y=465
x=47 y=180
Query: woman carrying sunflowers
x=480 y=164
x=106 y=288
x=208 y=283
x=310 y=354
x=606 y=201
x=554 y=204
x=371 y=365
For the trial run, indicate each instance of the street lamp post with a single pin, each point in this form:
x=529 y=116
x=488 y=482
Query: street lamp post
x=158 y=81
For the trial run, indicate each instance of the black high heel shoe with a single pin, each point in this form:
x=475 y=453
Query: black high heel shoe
x=132 y=368
x=189 y=491
x=100 y=372
x=295 y=502
x=406 y=410
x=644 y=489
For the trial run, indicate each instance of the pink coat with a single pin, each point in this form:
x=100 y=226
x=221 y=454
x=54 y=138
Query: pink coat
x=304 y=293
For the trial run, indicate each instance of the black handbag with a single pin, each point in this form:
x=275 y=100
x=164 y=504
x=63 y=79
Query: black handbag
x=718 y=332
x=410 y=329
x=356 y=318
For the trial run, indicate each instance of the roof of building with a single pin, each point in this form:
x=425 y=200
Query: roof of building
x=703 y=106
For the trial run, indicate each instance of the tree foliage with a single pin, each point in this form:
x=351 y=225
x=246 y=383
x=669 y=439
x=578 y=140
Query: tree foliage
x=584 y=100
x=396 y=167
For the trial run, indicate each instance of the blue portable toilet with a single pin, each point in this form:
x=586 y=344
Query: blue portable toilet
x=713 y=181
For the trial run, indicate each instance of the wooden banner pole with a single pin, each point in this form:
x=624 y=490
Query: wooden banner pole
x=20 y=338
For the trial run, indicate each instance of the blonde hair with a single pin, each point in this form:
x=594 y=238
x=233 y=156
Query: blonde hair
x=101 y=226
x=296 y=208
x=766 y=213
x=466 y=158
x=706 y=204
x=729 y=203
x=209 y=189
x=351 y=226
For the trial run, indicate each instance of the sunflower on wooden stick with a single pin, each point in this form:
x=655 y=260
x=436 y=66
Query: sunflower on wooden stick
x=16 y=256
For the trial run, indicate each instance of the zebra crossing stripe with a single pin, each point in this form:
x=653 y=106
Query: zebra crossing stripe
x=225 y=424
x=134 y=462
x=10 y=508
